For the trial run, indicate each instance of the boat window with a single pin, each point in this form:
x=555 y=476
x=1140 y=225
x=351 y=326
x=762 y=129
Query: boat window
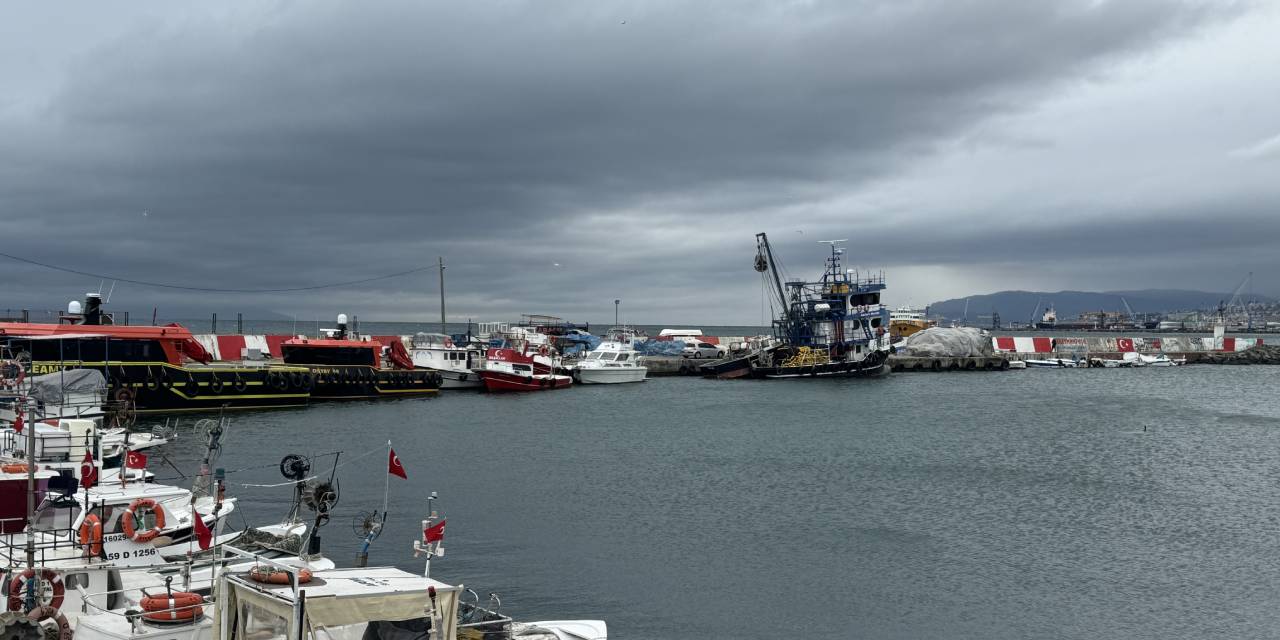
x=76 y=580
x=875 y=322
x=55 y=517
x=522 y=368
x=623 y=357
x=258 y=622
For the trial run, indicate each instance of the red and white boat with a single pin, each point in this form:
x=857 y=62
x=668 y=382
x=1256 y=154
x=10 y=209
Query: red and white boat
x=510 y=370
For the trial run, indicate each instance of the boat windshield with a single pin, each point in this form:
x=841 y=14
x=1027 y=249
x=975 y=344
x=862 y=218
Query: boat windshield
x=623 y=356
x=53 y=516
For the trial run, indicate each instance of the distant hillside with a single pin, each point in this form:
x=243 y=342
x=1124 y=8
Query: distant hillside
x=1019 y=306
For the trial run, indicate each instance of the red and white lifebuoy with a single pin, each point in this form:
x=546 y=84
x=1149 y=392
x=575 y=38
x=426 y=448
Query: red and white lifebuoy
x=18 y=587
x=544 y=350
x=129 y=521
x=47 y=612
x=180 y=605
x=12 y=373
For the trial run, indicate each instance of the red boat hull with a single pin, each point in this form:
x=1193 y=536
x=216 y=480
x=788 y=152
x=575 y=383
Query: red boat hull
x=501 y=381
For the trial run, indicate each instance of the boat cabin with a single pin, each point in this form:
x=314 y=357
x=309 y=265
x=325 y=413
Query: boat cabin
x=327 y=353
x=336 y=604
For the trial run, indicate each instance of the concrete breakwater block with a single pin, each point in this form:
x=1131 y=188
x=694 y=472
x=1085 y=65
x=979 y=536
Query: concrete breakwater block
x=979 y=363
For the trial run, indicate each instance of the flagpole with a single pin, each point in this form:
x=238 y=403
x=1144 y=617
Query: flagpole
x=386 y=484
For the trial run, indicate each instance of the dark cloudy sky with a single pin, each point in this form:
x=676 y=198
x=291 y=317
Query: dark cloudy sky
x=563 y=154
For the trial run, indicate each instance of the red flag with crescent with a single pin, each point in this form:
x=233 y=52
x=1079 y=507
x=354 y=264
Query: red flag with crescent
x=434 y=533
x=17 y=421
x=88 y=472
x=393 y=465
x=135 y=460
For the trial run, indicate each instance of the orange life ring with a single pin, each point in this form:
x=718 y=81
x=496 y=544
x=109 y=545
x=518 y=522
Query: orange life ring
x=129 y=523
x=16 y=467
x=271 y=575
x=91 y=535
x=180 y=605
x=17 y=600
x=47 y=612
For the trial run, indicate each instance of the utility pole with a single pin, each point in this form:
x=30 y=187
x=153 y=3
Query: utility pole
x=442 y=321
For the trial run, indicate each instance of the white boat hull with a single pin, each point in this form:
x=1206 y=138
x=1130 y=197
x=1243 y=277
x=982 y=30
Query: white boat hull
x=612 y=375
x=460 y=379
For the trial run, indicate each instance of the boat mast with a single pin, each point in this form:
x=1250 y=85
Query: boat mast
x=442 y=323
x=762 y=240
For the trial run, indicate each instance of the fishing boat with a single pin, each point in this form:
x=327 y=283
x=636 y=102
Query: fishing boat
x=149 y=369
x=612 y=362
x=438 y=352
x=832 y=327
x=339 y=366
x=511 y=370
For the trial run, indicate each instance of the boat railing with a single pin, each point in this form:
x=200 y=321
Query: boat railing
x=46 y=545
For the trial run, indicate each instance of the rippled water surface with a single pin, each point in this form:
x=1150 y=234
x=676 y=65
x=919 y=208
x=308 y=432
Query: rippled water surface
x=1045 y=503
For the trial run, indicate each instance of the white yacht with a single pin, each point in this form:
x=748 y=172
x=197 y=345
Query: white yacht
x=611 y=363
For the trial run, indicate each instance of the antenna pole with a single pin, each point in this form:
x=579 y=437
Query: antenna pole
x=442 y=322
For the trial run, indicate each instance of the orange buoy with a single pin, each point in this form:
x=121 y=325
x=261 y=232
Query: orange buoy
x=91 y=534
x=17 y=467
x=129 y=520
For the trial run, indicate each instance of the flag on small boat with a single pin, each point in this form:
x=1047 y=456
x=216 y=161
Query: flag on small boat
x=203 y=535
x=17 y=421
x=393 y=465
x=135 y=460
x=88 y=472
x=434 y=533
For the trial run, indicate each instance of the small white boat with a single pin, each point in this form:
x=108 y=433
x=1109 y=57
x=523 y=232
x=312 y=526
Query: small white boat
x=611 y=363
x=1161 y=361
x=1017 y=364
x=1057 y=363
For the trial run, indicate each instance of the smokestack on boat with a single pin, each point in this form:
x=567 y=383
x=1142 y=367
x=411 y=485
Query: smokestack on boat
x=92 y=309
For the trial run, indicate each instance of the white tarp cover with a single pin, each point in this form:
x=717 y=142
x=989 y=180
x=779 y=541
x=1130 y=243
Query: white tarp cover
x=53 y=387
x=348 y=597
x=940 y=342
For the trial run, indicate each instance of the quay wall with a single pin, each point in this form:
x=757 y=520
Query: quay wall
x=230 y=346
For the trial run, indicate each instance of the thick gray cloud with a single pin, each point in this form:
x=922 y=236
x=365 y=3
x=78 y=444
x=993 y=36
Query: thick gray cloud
x=638 y=146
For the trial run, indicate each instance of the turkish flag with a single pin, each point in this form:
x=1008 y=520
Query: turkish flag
x=17 y=422
x=434 y=533
x=393 y=465
x=135 y=460
x=203 y=535
x=88 y=472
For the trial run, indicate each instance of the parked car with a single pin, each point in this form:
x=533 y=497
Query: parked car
x=703 y=350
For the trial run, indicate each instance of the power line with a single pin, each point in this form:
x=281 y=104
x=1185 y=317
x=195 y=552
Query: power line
x=163 y=285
